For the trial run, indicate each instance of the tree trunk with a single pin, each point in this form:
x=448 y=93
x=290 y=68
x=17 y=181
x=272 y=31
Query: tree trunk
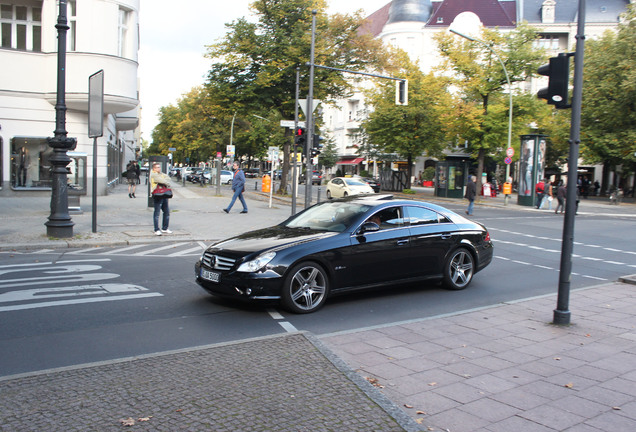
x=605 y=180
x=480 y=168
x=286 y=164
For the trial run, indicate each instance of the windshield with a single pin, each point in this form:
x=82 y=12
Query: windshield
x=328 y=216
x=354 y=182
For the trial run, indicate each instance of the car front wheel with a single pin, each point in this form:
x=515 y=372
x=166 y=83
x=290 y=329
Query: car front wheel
x=306 y=288
x=459 y=269
x=328 y=194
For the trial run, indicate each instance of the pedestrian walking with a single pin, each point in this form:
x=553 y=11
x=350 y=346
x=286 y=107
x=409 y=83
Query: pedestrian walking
x=132 y=175
x=561 y=193
x=539 y=189
x=471 y=193
x=238 y=187
x=159 y=179
x=548 y=196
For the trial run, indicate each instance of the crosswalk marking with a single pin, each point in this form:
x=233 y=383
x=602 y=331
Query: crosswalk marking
x=185 y=252
x=125 y=249
x=153 y=250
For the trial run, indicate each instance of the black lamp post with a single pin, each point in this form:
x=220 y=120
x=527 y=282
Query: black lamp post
x=60 y=224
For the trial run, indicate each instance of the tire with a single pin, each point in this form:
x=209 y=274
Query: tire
x=306 y=288
x=345 y=195
x=328 y=194
x=459 y=269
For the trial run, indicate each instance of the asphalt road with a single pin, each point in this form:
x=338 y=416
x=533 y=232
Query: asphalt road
x=66 y=307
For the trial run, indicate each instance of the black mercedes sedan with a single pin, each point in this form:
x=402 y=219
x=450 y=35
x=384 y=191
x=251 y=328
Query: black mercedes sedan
x=344 y=245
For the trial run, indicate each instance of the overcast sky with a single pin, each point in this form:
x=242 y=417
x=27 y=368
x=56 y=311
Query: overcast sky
x=173 y=39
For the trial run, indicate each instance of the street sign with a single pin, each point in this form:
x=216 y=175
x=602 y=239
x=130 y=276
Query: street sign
x=290 y=124
x=510 y=152
x=508 y=160
x=173 y=149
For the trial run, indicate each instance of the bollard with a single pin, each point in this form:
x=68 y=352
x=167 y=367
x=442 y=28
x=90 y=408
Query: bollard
x=318 y=196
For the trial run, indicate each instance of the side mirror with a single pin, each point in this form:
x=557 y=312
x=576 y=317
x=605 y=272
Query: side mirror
x=368 y=227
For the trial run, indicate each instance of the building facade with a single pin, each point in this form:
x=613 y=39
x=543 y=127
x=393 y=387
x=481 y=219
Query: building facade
x=412 y=24
x=102 y=35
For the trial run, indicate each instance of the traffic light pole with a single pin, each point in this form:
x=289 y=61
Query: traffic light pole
x=310 y=113
x=562 y=313
x=294 y=158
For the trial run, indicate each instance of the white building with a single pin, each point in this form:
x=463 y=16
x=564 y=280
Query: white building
x=102 y=35
x=412 y=24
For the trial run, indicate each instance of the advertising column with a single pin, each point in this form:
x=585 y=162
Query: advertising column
x=531 y=167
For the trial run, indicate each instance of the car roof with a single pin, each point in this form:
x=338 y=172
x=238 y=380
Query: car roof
x=383 y=198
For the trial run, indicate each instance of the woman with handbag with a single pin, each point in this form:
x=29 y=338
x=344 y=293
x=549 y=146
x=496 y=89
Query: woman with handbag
x=161 y=193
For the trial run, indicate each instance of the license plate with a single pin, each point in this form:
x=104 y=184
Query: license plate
x=211 y=276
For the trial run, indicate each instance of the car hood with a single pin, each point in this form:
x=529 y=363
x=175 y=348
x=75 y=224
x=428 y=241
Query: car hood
x=276 y=238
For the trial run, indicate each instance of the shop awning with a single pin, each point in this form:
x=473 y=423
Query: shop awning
x=354 y=161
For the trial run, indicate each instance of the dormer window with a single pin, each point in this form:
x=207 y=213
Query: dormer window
x=440 y=20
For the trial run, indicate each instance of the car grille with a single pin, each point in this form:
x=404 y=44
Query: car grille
x=217 y=262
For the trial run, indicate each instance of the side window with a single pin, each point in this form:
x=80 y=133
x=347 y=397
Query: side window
x=423 y=216
x=388 y=218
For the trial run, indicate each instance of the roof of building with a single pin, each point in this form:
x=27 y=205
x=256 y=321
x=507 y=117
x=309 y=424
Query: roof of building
x=567 y=11
x=492 y=13
x=501 y=13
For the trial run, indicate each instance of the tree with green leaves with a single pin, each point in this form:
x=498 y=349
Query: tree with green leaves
x=480 y=78
x=413 y=130
x=254 y=66
x=608 y=117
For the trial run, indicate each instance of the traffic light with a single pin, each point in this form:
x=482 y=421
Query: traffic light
x=316 y=147
x=558 y=72
x=402 y=92
x=300 y=137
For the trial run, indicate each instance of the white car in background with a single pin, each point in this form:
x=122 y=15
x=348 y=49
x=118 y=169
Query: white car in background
x=341 y=187
x=226 y=176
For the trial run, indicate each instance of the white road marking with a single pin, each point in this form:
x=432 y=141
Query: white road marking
x=186 y=252
x=70 y=291
x=125 y=249
x=57 y=279
x=154 y=249
x=77 y=301
x=287 y=326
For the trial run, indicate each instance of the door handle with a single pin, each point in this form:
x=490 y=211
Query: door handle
x=446 y=236
x=402 y=242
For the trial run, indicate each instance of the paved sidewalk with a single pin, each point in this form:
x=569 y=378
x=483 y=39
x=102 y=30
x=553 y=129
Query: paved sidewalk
x=286 y=383
x=506 y=368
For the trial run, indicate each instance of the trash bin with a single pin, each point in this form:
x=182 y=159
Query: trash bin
x=267 y=183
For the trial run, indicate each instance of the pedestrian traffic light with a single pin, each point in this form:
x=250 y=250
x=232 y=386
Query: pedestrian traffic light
x=300 y=137
x=558 y=72
x=402 y=92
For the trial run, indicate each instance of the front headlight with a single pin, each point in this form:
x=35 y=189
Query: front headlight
x=257 y=263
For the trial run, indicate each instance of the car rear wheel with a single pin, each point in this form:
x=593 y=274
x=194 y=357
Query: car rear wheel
x=459 y=269
x=306 y=288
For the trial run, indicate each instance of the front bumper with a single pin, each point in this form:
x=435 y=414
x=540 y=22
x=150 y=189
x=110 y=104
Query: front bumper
x=244 y=286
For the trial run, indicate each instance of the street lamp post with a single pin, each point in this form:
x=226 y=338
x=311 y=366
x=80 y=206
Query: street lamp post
x=470 y=38
x=60 y=224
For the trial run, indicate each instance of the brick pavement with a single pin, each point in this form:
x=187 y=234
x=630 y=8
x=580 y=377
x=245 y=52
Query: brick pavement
x=284 y=383
x=507 y=368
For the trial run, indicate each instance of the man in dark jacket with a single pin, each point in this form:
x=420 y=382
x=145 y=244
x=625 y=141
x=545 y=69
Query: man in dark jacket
x=471 y=193
x=238 y=186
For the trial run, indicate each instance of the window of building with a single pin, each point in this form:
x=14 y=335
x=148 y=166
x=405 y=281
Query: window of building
x=548 y=42
x=21 y=27
x=72 y=24
x=122 y=39
x=30 y=163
